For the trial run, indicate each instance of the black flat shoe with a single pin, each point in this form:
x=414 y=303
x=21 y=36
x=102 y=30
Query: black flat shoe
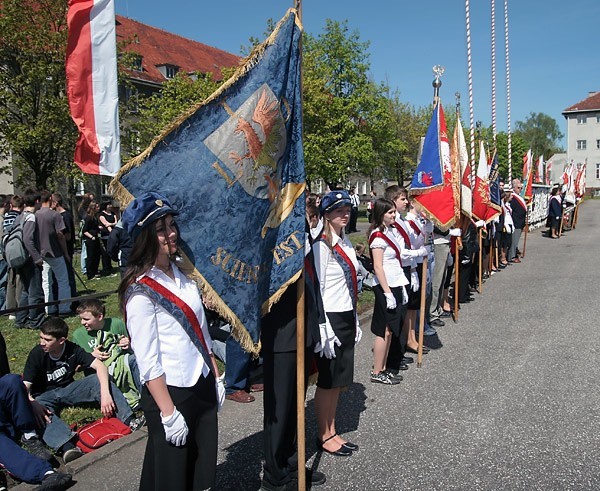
x=407 y=360
x=340 y=452
x=410 y=350
x=351 y=446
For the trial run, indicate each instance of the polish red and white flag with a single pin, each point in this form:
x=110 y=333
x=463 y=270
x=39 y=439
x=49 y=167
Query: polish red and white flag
x=91 y=67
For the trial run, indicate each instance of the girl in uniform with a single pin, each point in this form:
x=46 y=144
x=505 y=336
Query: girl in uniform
x=336 y=266
x=169 y=336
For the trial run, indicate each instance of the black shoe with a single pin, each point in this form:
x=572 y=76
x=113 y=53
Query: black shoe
x=57 y=481
x=437 y=323
x=313 y=477
x=340 y=452
x=351 y=446
x=403 y=366
x=407 y=360
x=445 y=313
x=35 y=447
x=414 y=351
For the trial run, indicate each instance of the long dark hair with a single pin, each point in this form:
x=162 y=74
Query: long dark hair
x=141 y=258
x=380 y=208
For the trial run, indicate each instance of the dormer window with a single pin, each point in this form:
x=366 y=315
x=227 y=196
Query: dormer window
x=167 y=70
x=136 y=63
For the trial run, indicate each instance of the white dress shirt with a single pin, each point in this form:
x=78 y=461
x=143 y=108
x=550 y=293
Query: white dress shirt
x=334 y=289
x=160 y=343
x=391 y=265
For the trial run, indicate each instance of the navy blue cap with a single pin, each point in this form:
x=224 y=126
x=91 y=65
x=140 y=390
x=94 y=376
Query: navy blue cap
x=143 y=211
x=334 y=199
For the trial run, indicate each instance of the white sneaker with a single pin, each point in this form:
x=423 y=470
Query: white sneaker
x=72 y=454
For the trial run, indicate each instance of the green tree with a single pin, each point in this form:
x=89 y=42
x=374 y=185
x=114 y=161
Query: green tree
x=541 y=133
x=35 y=124
x=345 y=115
x=156 y=112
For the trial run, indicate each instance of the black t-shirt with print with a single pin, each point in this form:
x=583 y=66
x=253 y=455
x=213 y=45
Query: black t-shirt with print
x=46 y=374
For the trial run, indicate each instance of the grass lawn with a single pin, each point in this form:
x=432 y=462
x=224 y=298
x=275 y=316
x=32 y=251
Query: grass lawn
x=19 y=342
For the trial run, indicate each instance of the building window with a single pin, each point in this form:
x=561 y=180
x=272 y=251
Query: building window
x=597 y=171
x=581 y=144
x=171 y=71
x=136 y=63
x=581 y=119
x=598 y=144
x=598 y=118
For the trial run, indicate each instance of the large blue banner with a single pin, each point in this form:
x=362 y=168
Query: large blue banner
x=234 y=168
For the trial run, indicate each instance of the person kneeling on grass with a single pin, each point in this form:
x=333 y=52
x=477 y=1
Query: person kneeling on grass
x=106 y=338
x=49 y=378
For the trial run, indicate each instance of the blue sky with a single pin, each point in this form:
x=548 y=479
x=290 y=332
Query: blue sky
x=554 y=59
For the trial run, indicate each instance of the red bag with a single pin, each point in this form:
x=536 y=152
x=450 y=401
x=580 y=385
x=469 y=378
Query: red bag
x=99 y=433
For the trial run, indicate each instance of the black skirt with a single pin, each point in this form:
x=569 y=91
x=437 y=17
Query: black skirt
x=384 y=317
x=339 y=371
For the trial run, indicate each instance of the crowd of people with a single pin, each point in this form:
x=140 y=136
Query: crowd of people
x=162 y=357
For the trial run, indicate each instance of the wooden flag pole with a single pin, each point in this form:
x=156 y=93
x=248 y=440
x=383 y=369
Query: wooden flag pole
x=576 y=215
x=300 y=342
x=526 y=231
x=300 y=382
x=480 y=261
x=456 y=281
x=422 y=316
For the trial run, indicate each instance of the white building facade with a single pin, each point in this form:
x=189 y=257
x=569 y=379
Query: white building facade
x=583 y=139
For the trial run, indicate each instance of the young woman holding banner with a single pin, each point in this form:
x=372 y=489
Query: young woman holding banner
x=336 y=266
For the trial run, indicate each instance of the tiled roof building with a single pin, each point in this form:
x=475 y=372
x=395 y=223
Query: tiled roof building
x=162 y=54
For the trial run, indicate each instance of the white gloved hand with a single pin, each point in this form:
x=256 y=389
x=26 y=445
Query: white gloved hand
x=455 y=232
x=404 y=296
x=480 y=223
x=326 y=347
x=423 y=251
x=176 y=429
x=465 y=261
x=390 y=301
x=414 y=281
x=220 y=388
x=358 y=335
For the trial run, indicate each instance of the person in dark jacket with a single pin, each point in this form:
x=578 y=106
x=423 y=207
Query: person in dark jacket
x=119 y=246
x=555 y=212
x=519 y=216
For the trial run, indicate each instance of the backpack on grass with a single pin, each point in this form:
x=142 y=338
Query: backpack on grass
x=97 y=434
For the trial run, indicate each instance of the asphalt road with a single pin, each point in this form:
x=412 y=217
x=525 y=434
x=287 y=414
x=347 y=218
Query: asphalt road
x=508 y=401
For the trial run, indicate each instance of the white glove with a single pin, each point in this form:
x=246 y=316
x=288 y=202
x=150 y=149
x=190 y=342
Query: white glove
x=480 y=223
x=422 y=251
x=176 y=429
x=220 y=388
x=414 y=281
x=465 y=261
x=455 y=232
x=428 y=228
x=404 y=296
x=326 y=347
x=390 y=301
x=358 y=336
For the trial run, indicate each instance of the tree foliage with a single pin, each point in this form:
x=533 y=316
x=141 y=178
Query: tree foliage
x=34 y=114
x=541 y=133
x=156 y=112
x=348 y=122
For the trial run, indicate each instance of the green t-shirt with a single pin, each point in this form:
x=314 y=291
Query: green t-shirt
x=87 y=339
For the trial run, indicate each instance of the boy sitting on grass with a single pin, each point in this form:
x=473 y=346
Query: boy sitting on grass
x=49 y=377
x=107 y=340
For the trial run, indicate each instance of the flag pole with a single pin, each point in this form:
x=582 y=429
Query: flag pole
x=480 y=261
x=456 y=278
x=437 y=83
x=300 y=338
x=526 y=231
